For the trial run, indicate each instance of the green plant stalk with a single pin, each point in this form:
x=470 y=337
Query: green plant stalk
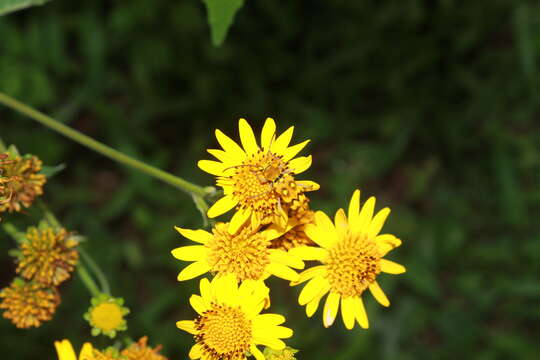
x=102 y=279
x=87 y=280
x=101 y=148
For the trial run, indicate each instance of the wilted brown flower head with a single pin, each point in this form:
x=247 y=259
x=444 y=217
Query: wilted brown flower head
x=28 y=304
x=48 y=256
x=141 y=351
x=20 y=182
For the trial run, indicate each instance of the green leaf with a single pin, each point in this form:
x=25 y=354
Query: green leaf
x=220 y=17
x=50 y=171
x=8 y=6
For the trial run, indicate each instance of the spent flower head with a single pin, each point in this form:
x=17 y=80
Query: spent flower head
x=229 y=325
x=106 y=315
x=259 y=181
x=141 y=351
x=25 y=182
x=48 y=255
x=28 y=304
x=351 y=257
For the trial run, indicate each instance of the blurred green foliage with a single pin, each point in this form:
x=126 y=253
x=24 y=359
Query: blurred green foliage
x=432 y=106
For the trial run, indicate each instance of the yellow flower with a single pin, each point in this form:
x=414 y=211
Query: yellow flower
x=258 y=181
x=65 y=351
x=25 y=182
x=48 y=256
x=245 y=254
x=106 y=315
x=285 y=354
x=28 y=304
x=140 y=351
x=351 y=257
x=229 y=324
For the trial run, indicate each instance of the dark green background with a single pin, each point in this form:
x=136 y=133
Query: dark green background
x=432 y=106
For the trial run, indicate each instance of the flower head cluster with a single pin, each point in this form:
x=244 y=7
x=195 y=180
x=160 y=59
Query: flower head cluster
x=272 y=232
x=21 y=182
x=45 y=258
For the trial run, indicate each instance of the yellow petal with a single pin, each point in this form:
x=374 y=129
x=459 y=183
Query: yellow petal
x=206 y=291
x=197 y=303
x=347 y=312
x=310 y=273
x=319 y=236
x=341 y=222
x=190 y=253
x=292 y=151
x=282 y=142
x=193 y=270
x=230 y=146
x=313 y=288
x=187 y=325
x=308 y=185
x=212 y=167
x=86 y=353
x=324 y=223
x=391 y=267
x=280 y=332
x=300 y=164
x=364 y=218
x=273 y=343
x=256 y=353
x=378 y=294
x=309 y=252
x=360 y=312
x=226 y=289
x=238 y=219
x=221 y=206
x=282 y=271
x=247 y=137
x=222 y=156
x=378 y=222
x=269 y=320
x=199 y=236
x=285 y=258
x=312 y=306
x=195 y=352
x=354 y=207
x=64 y=349
x=330 y=309
x=387 y=242
x=268 y=133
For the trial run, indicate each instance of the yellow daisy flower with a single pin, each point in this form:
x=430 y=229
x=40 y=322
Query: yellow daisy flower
x=65 y=351
x=351 y=257
x=229 y=325
x=300 y=215
x=246 y=254
x=106 y=315
x=257 y=180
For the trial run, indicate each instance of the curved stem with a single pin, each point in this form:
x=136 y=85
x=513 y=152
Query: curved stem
x=87 y=280
x=102 y=279
x=101 y=148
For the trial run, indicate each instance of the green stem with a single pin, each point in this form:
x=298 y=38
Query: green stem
x=49 y=216
x=102 y=279
x=101 y=148
x=87 y=280
x=15 y=234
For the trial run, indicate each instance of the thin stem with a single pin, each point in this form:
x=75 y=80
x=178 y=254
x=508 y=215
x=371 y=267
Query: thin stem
x=87 y=280
x=49 y=216
x=101 y=148
x=12 y=231
x=102 y=279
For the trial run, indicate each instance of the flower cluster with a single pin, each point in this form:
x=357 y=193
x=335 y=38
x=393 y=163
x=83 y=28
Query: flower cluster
x=46 y=257
x=272 y=232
